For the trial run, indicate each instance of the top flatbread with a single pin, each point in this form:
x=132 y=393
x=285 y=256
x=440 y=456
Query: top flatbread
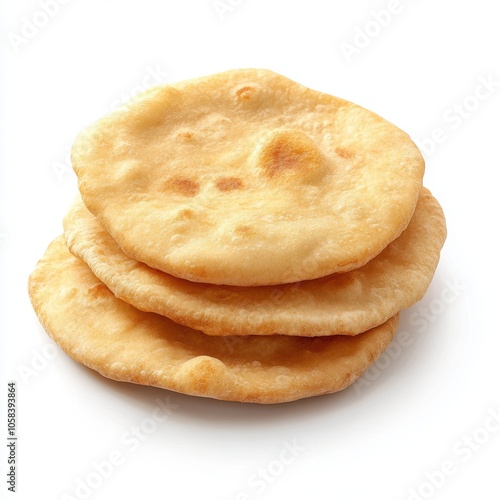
x=248 y=178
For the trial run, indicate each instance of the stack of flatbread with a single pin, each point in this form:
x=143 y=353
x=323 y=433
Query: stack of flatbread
x=239 y=237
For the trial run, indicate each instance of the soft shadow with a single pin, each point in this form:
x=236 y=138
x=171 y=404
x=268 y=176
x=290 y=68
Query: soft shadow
x=200 y=410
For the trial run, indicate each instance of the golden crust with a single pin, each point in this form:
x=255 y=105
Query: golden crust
x=347 y=303
x=122 y=343
x=248 y=178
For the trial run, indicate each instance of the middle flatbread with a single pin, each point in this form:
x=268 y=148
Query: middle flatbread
x=346 y=303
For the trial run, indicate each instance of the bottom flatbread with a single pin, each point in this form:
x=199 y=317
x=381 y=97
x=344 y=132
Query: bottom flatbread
x=122 y=343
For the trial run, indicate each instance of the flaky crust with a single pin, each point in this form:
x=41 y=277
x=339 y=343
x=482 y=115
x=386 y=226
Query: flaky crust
x=248 y=178
x=122 y=343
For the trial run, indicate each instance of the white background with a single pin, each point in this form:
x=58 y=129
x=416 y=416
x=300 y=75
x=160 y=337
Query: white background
x=379 y=440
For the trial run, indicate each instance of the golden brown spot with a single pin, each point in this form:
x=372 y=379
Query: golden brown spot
x=186 y=213
x=345 y=153
x=186 y=187
x=187 y=135
x=289 y=151
x=244 y=230
x=98 y=290
x=282 y=157
x=229 y=183
x=246 y=93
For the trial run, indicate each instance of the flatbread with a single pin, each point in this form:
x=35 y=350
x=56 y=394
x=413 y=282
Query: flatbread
x=248 y=178
x=347 y=303
x=122 y=343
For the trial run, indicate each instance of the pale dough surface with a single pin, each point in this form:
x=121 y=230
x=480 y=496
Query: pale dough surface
x=248 y=178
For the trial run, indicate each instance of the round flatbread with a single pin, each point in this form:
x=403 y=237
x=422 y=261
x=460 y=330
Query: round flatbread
x=120 y=342
x=347 y=303
x=248 y=178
